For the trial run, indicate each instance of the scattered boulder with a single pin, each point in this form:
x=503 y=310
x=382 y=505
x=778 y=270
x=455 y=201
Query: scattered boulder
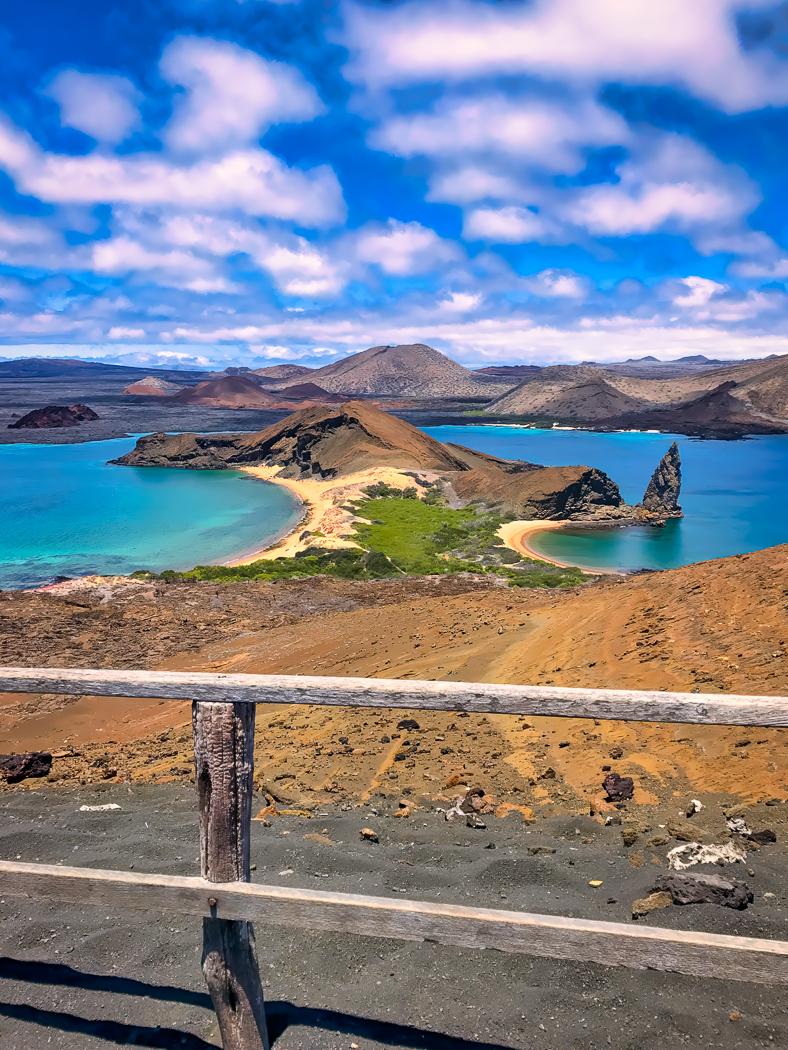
x=645 y=905
x=14 y=768
x=706 y=889
x=618 y=789
x=408 y=724
x=763 y=837
x=369 y=835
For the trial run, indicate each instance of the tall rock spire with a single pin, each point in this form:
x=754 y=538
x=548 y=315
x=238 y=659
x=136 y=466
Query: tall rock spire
x=661 y=497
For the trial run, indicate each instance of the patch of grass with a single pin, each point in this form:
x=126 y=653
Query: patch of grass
x=402 y=534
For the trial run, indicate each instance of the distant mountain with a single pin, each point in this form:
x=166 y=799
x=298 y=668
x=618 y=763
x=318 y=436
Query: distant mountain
x=282 y=371
x=308 y=392
x=413 y=371
x=516 y=372
x=753 y=396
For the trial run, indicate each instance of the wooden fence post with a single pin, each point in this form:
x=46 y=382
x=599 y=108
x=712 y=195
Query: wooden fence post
x=224 y=762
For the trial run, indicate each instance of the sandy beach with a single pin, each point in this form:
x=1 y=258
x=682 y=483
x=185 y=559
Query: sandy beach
x=325 y=518
x=516 y=534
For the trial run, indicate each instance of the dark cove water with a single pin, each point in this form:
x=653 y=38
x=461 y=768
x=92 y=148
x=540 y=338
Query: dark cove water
x=63 y=511
x=734 y=493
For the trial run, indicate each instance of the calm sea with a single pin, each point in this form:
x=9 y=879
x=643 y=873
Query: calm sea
x=734 y=495
x=63 y=511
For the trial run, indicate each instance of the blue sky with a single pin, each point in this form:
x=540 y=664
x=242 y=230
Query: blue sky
x=247 y=181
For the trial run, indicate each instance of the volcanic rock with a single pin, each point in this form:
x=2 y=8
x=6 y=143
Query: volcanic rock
x=618 y=789
x=661 y=497
x=14 y=768
x=152 y=386
x=706 y=889
x=54 y=416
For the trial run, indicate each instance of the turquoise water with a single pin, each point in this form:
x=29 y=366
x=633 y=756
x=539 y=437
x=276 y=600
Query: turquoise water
x=734 y=493
x=64 y=511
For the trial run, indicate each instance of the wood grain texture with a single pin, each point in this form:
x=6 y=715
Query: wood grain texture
x=554 y=701
x=550 y=936
x=224 y=765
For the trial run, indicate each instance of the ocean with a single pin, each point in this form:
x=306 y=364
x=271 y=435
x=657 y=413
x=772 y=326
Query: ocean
x=64 y=511
x=734 y=493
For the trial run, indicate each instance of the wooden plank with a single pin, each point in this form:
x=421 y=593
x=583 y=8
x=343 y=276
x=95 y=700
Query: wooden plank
x=615 y=704
x=224 y=764
x=550 y=936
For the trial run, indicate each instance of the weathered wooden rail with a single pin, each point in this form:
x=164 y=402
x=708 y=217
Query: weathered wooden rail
x=223 y=715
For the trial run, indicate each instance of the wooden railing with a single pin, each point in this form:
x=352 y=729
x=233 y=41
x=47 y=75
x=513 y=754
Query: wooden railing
x=223 y=715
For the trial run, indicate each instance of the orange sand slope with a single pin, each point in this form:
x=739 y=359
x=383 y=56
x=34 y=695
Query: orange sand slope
x=716 y=626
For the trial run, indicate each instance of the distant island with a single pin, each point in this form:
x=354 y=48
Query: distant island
x=334 y=458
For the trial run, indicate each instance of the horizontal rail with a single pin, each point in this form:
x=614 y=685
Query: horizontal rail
x=617 y=704
x=551 y=936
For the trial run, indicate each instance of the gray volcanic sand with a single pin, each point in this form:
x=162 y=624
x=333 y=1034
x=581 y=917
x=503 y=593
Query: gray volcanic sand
x=77 y=978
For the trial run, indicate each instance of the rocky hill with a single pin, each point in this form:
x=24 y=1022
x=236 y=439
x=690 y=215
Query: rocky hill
x=413 y=371
x=282 y=371
x=54 y=416
x=309 y=392
x=227 y=392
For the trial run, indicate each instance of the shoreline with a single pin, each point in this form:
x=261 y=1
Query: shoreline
x=515 y=535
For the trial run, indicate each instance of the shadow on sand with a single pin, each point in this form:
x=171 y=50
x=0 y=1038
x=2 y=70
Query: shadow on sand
x=280 y=1013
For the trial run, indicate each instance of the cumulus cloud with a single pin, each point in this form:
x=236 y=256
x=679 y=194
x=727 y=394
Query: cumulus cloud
x=697 y=292
x=467 y=184
x=694 y=46
x=558 y=284
x=403 y=248
x=232 y=95
x=104 y=106
x=250 y=180
x=460 y=302
x=549 y=134
x=508 y=225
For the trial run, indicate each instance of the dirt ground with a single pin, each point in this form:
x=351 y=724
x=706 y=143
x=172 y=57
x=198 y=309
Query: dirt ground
x=78 y=979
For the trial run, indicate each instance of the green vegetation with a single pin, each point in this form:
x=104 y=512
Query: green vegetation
x=402 y=534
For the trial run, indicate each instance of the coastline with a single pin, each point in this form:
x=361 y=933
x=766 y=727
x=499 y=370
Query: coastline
x=516 y=534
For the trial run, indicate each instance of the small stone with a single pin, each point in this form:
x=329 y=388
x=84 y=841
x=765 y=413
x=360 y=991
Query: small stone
x=535 y=850
x=616 y=752
x=629 y=836
x=735 y=1015
x=409 y=724
x=369 y=835
x=645 y=905
x=595 y=883
x=564 y=743
x=706 y=889
x=763 y=837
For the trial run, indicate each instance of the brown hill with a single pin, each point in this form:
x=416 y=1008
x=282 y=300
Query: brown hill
x=152 y=386
x=227 y=392
x=414 y=371
x=53 y=416
x=327 y=442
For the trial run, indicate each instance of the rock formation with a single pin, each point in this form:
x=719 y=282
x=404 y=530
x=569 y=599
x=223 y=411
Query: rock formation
x=661 y=497
x=54 y=416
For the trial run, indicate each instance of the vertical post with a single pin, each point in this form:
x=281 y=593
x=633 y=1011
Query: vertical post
x=224 y=761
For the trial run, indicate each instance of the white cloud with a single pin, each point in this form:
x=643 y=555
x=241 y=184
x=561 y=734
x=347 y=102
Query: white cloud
x=509 y=225
x=699 y=290
x=251 y=180
x=178 y=269
x=121 y=332
x=774 y=269
x=104 y=106
x=558 y=284
x=669 y=182
x=460 y=302
x=468 y=184
x=546 y=133
x=232 y=94
x=694 y=46
x=403 y=248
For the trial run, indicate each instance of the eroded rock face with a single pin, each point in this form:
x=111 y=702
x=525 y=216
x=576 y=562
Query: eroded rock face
x=661 y=497
x=54 y=416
